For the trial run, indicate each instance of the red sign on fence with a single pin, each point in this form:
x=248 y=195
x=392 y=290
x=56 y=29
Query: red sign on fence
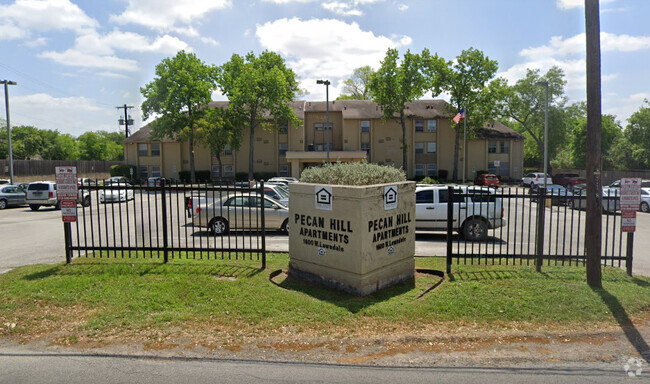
x=630 y=200
x=69 y=211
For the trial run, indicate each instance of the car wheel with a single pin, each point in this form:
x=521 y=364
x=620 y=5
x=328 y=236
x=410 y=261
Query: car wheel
x=475 y=230
x=86 y=201
x=645 y=207
x=57 y=206
x=285 y=226
x=34 y=207
x=3 y=204
x=219 y=226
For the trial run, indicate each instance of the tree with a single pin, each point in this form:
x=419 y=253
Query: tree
x=396 y=84
x=610 y=133
x=466 y=81
x=357 y=86
x=65 y=148
x=26 y=142
x=259 y=89
x=218 y=129
x=524 y=104
x=179 y=93
x=632 y=150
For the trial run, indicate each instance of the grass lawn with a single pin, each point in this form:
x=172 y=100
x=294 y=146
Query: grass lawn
x=92 y=299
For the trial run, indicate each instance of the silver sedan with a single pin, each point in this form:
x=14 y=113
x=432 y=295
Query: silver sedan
x=240 y=212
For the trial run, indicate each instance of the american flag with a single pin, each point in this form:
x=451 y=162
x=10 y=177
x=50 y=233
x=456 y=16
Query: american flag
x=459 y=116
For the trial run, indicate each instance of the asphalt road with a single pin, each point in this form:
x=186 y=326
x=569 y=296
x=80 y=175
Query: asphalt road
x=34 y=237
x=19 y=365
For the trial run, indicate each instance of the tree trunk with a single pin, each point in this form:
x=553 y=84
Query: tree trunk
x=454 y=174
x=220 y=166
x=192 y=175
x=404 y=144
x=250 y=153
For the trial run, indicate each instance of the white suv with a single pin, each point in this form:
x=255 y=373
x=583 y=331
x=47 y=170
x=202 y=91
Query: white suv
x=44 y=193
x=535 y=179
x=473 y=214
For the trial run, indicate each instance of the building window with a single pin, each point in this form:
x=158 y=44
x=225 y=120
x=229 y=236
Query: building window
x=432 y=125
x=227 y=150
x=216 y=172
x=283 y=128
x=419 y=148
x=419 y=169
x=283 y=148
x=365 y=126
x=284 y=170
x=227 y=170
x=143 y=150
x=155 y=171
x=432 y=170
x=431 y=147
x=366 y=147
x=143 y=171
x=505 y=147
x=502 y=170
x=492 y=147
x=419 y=125
x=155 y=149
x=321 y=126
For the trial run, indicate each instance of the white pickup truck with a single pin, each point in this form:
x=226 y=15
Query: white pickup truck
x=476 y=209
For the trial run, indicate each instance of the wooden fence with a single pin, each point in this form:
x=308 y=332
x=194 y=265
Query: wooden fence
x=31 y=170
x=609 y=177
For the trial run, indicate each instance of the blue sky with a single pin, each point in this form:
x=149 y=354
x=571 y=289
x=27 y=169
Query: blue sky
x=76 y=60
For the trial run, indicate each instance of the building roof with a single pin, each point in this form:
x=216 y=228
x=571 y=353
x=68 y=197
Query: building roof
x=497 y=130
x=362 y=109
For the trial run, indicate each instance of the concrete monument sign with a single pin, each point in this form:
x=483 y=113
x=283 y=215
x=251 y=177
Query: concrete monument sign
x=356 y=238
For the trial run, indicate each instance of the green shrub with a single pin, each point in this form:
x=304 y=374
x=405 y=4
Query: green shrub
x=429 y=180
x=530 y=170
x=201 y=176
x=352 y=174
x=124 y=170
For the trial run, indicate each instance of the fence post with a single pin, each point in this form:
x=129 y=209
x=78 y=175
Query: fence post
x=450 y=224
x=67 y=234
x=541 y=213
x=261 y=193
x=630 y=251
x=164 y=220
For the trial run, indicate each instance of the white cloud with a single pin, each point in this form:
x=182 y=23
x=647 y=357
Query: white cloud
x=570 y=4
x=92 y=50
x=342 y=9
x=609 y=42
x=38 y=42
x=9 y=31
x=324 y=48
x=49 y=15
x=165 y=15
x=402 y=7
x=73 y=115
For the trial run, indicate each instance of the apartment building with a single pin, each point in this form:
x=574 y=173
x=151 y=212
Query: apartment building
x=356 y=131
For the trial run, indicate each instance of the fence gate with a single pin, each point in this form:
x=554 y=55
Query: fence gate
x=169 y=221
x=532 y=227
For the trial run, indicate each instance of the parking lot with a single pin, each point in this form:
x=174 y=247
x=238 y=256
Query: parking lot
x=33 y=237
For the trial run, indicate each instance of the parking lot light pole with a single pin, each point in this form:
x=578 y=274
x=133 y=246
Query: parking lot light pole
x=11 y=154
x=545 y=84
x=327 y=115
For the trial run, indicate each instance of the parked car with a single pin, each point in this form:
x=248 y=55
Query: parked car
x=557 y=193
x=610 y=199
x=472 y=217
x=11 y=195
x=4 y=181
x=617 y=184
x=566 y=180
x=86 y=182
x=487 y=179
x=276 y=193
x=117 y=179
x=116 y=192
x=240 y=212
x=535 y=178
x=156 y=181
x=645 y=200
x=283 y=180
x=43 y=193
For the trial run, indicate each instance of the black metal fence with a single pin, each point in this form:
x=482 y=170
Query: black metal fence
x=531 y=227
x=170 y=221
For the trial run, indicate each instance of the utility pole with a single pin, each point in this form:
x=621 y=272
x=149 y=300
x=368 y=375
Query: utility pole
x=126 y=121
x=11 y=153
x=593 y=220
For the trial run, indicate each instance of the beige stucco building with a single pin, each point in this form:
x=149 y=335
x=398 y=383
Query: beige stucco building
x=357 y=132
